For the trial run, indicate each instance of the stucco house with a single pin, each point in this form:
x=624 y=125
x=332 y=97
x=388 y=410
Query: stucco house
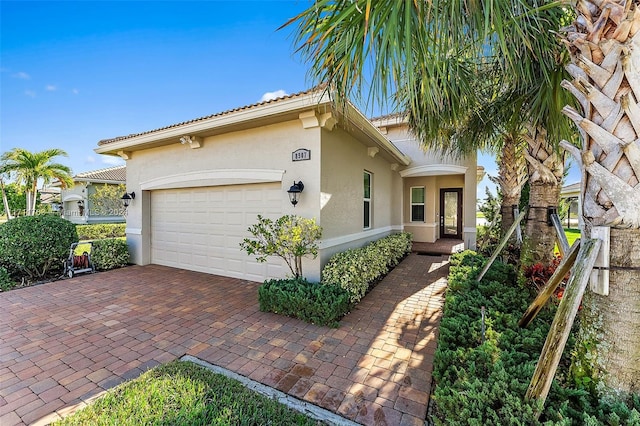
x=198 y=185
x=76 y=200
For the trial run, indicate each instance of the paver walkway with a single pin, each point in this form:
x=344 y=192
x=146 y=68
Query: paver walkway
x=63 y=343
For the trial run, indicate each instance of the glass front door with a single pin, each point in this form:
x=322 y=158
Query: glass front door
x=451 y=213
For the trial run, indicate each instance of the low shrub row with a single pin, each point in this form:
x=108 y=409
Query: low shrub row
x=110 y=254
x=34 y=248
x=312 y=302
x=101 y=230
x=483 y=379
x=356 y=269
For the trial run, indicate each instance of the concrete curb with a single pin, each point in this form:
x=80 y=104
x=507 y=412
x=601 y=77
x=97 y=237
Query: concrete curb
x=310 y=410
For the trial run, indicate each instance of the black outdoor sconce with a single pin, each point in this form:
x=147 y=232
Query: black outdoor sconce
x=127 y=197
x=294 y=192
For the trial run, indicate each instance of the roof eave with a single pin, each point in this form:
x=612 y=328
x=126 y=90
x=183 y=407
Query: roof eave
x=168 y=135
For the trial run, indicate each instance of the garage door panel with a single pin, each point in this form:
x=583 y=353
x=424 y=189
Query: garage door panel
x=201 y=228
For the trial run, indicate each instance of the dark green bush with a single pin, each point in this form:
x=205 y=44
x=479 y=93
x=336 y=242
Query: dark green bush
x=100 y=231
x=35 y=246
x=6 y=282
x=485 y=382
x=312 y=302
x=109 y=254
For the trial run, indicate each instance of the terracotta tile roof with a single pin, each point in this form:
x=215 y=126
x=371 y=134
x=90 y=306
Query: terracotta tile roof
x=218 y=114
x=117 y=174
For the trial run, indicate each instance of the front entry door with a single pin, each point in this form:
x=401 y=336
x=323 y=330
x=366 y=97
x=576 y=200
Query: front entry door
x=451 y=213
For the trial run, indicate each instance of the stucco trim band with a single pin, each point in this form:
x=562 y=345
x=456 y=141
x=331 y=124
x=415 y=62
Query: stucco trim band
x=420 y=225
x=72 y=197
x=434 y=170
x=133 y=231
x=213 y=178
x=344 y=239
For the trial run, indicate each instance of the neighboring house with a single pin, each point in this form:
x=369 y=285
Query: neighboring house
x=571 y=193
x=200 y=184
x=76 y=200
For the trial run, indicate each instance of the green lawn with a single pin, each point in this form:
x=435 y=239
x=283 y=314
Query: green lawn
x=183 y=393
x=572 y=235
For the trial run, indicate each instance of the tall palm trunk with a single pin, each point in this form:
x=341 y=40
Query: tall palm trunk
x=604 y=43
x=5 y=202
x=545 y=168
x=512 y=175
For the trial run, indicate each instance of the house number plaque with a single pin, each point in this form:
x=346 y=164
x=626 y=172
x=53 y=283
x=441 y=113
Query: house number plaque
x=301 y=154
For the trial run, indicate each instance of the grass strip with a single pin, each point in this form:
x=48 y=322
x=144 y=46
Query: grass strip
x=186 y=394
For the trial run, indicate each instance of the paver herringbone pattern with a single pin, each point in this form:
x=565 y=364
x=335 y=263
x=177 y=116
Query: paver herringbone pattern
x=63 y=343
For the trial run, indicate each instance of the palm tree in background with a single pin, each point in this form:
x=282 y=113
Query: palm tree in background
x=29 y=167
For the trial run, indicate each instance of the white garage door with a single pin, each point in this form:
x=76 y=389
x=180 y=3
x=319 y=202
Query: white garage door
x=200 y=229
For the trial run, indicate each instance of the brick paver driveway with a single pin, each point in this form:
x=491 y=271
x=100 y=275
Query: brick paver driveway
x=63 y=343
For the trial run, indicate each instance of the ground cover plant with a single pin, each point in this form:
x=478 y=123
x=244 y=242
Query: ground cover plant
x=482 y=379
x=183 y=393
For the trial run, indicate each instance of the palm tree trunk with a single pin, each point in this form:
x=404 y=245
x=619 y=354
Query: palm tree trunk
x=604 y=45
x=545 y=168
x=5 y=202
x=512 y=175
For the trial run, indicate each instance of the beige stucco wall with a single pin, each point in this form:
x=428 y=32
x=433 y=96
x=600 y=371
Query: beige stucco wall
x=70 y=197
x=264 y=148
x=435 y=171
x=344 y=161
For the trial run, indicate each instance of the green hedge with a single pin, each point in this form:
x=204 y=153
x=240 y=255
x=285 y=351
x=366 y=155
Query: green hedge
x=485 y=382
x=35 y=246
x=109 y=254
x=101 y=230
x=6 y=282
x=356 y=269
x=312 y=302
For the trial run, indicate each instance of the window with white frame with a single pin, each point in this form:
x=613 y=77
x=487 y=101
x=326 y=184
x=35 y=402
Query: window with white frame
x=417 y=204
x=367 y=200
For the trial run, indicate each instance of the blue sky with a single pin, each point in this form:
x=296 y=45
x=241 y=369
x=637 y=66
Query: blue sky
x=73 y=73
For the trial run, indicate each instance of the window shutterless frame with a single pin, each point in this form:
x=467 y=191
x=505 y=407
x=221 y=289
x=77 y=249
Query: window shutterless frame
x=368 y=185
x=417 y=203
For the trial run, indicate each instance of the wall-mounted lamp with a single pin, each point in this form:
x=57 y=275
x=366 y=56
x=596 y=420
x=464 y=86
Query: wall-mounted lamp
x=294 y=192
x=127 y=197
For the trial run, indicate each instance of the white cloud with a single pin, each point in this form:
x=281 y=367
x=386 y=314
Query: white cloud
x=30 y=93
x=273 y=95
x=22 y=75
x=90 y=159
x=75 y=91
x=110 y=159
x=50 y=88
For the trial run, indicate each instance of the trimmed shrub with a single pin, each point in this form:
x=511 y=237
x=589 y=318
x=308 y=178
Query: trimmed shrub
x=110 y=254
x=356 y=269
x=100 y=231
x=35 y=246
x=484 y=380
x=311 y=302
x=6 y=283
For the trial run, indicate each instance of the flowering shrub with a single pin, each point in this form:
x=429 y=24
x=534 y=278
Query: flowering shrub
x=290 y=238
x=355 y=269
x=538 y=275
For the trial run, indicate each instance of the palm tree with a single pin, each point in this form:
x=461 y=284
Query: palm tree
x=604 y=42
x=424 y=53
x=30 y=167
x=431 y=55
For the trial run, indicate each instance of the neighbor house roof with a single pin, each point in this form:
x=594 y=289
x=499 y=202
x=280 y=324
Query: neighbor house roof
x=117 y=174
x=569 y=191
x=284 y=108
